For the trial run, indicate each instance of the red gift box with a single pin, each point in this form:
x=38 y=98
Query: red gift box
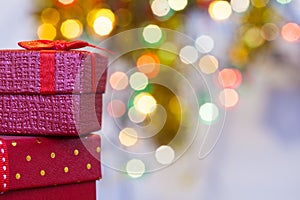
x=31 y=162
x=51 y=92
x=76 y=191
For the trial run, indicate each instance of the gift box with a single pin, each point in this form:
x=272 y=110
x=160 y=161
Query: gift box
x=58 y=115
x=51 y=92
x=76 y=191
x=32 y=162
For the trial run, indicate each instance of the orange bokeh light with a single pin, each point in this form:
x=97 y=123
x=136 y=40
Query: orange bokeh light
x=291 y=32
x=230 y=78
x=149 y=64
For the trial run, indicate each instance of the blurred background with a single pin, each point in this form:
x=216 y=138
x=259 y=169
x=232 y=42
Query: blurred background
x=203 y=96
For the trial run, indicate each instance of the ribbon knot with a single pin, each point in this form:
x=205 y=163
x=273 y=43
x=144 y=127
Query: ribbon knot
x=57 y=45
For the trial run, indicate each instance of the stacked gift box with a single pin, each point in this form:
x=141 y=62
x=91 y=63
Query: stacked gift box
x=50 y=102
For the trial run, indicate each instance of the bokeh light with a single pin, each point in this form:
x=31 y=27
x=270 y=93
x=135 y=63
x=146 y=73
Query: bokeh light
x=269 y=31
x=204 y=44
x=71 y=28
x=46 y=32
x=284 y=1
x=290 y=32
x=188 y=54
x=165 y=155
x=118 y=80
x=253 y=37
x=136 y=116
x=124 y=17
x=116 y=108
x=138 y=81
x=103 y=26
x=160 y=8
x=152 y=34
x=208 y=64
x=144 y=103
x=167 y=52
x=50 y=16
x=148 y=64
x=228 y=98
x=240 y=6
x=66 y=2
x=102 y=20
x=259 y=3
x=135 y=168
x=178 y=5
x=208 y=112
x=219 y=10
x=128 y=137
x=229 y=78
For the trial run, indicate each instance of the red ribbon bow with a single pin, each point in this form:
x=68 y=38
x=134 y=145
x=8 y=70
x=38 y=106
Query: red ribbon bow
x=57 y=45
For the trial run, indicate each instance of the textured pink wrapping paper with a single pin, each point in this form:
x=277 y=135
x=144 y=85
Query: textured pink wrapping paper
x=20 y=72
x=57 y=115
x=51 y=92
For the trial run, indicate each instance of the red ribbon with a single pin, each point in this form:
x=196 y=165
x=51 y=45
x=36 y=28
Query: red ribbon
x=57 y=45
x=47 y=59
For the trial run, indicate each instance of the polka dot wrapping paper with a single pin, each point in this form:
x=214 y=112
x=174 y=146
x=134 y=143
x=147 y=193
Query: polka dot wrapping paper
x=75 y=191
x=33 y=162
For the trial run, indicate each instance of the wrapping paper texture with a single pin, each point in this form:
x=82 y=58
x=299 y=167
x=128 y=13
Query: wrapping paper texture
x=54 y=115
x=77 y=191
x=20 y=72
x=39 y=162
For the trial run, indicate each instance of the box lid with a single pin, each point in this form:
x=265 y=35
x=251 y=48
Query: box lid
x=52 y=72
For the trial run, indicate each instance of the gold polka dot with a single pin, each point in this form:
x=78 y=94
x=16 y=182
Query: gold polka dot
x=76 y=152
x=42 y=172
x=52 y=155
x=18 y=176
x=88 y=166
x=78 y=181
x=38 y=141
x=66 y=169
x=28 y=158
x=14 y=143
x=98 y=149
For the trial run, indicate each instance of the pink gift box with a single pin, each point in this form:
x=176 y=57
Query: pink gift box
x=49 y=92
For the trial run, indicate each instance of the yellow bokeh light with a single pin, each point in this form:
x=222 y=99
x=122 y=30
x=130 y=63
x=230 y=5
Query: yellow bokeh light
x=160 y=8
x=259 y=3
x=103 y=26
x=128 y=137
x=50 y=16
x=46 y=32
x=135 y=168
x=253 y=37
x=208 y=64
x=219 y=10
x=66 y=2
x=124 y=17
x=177 y=4
x=145 y=103
x=71 y=28
x=152 y=34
